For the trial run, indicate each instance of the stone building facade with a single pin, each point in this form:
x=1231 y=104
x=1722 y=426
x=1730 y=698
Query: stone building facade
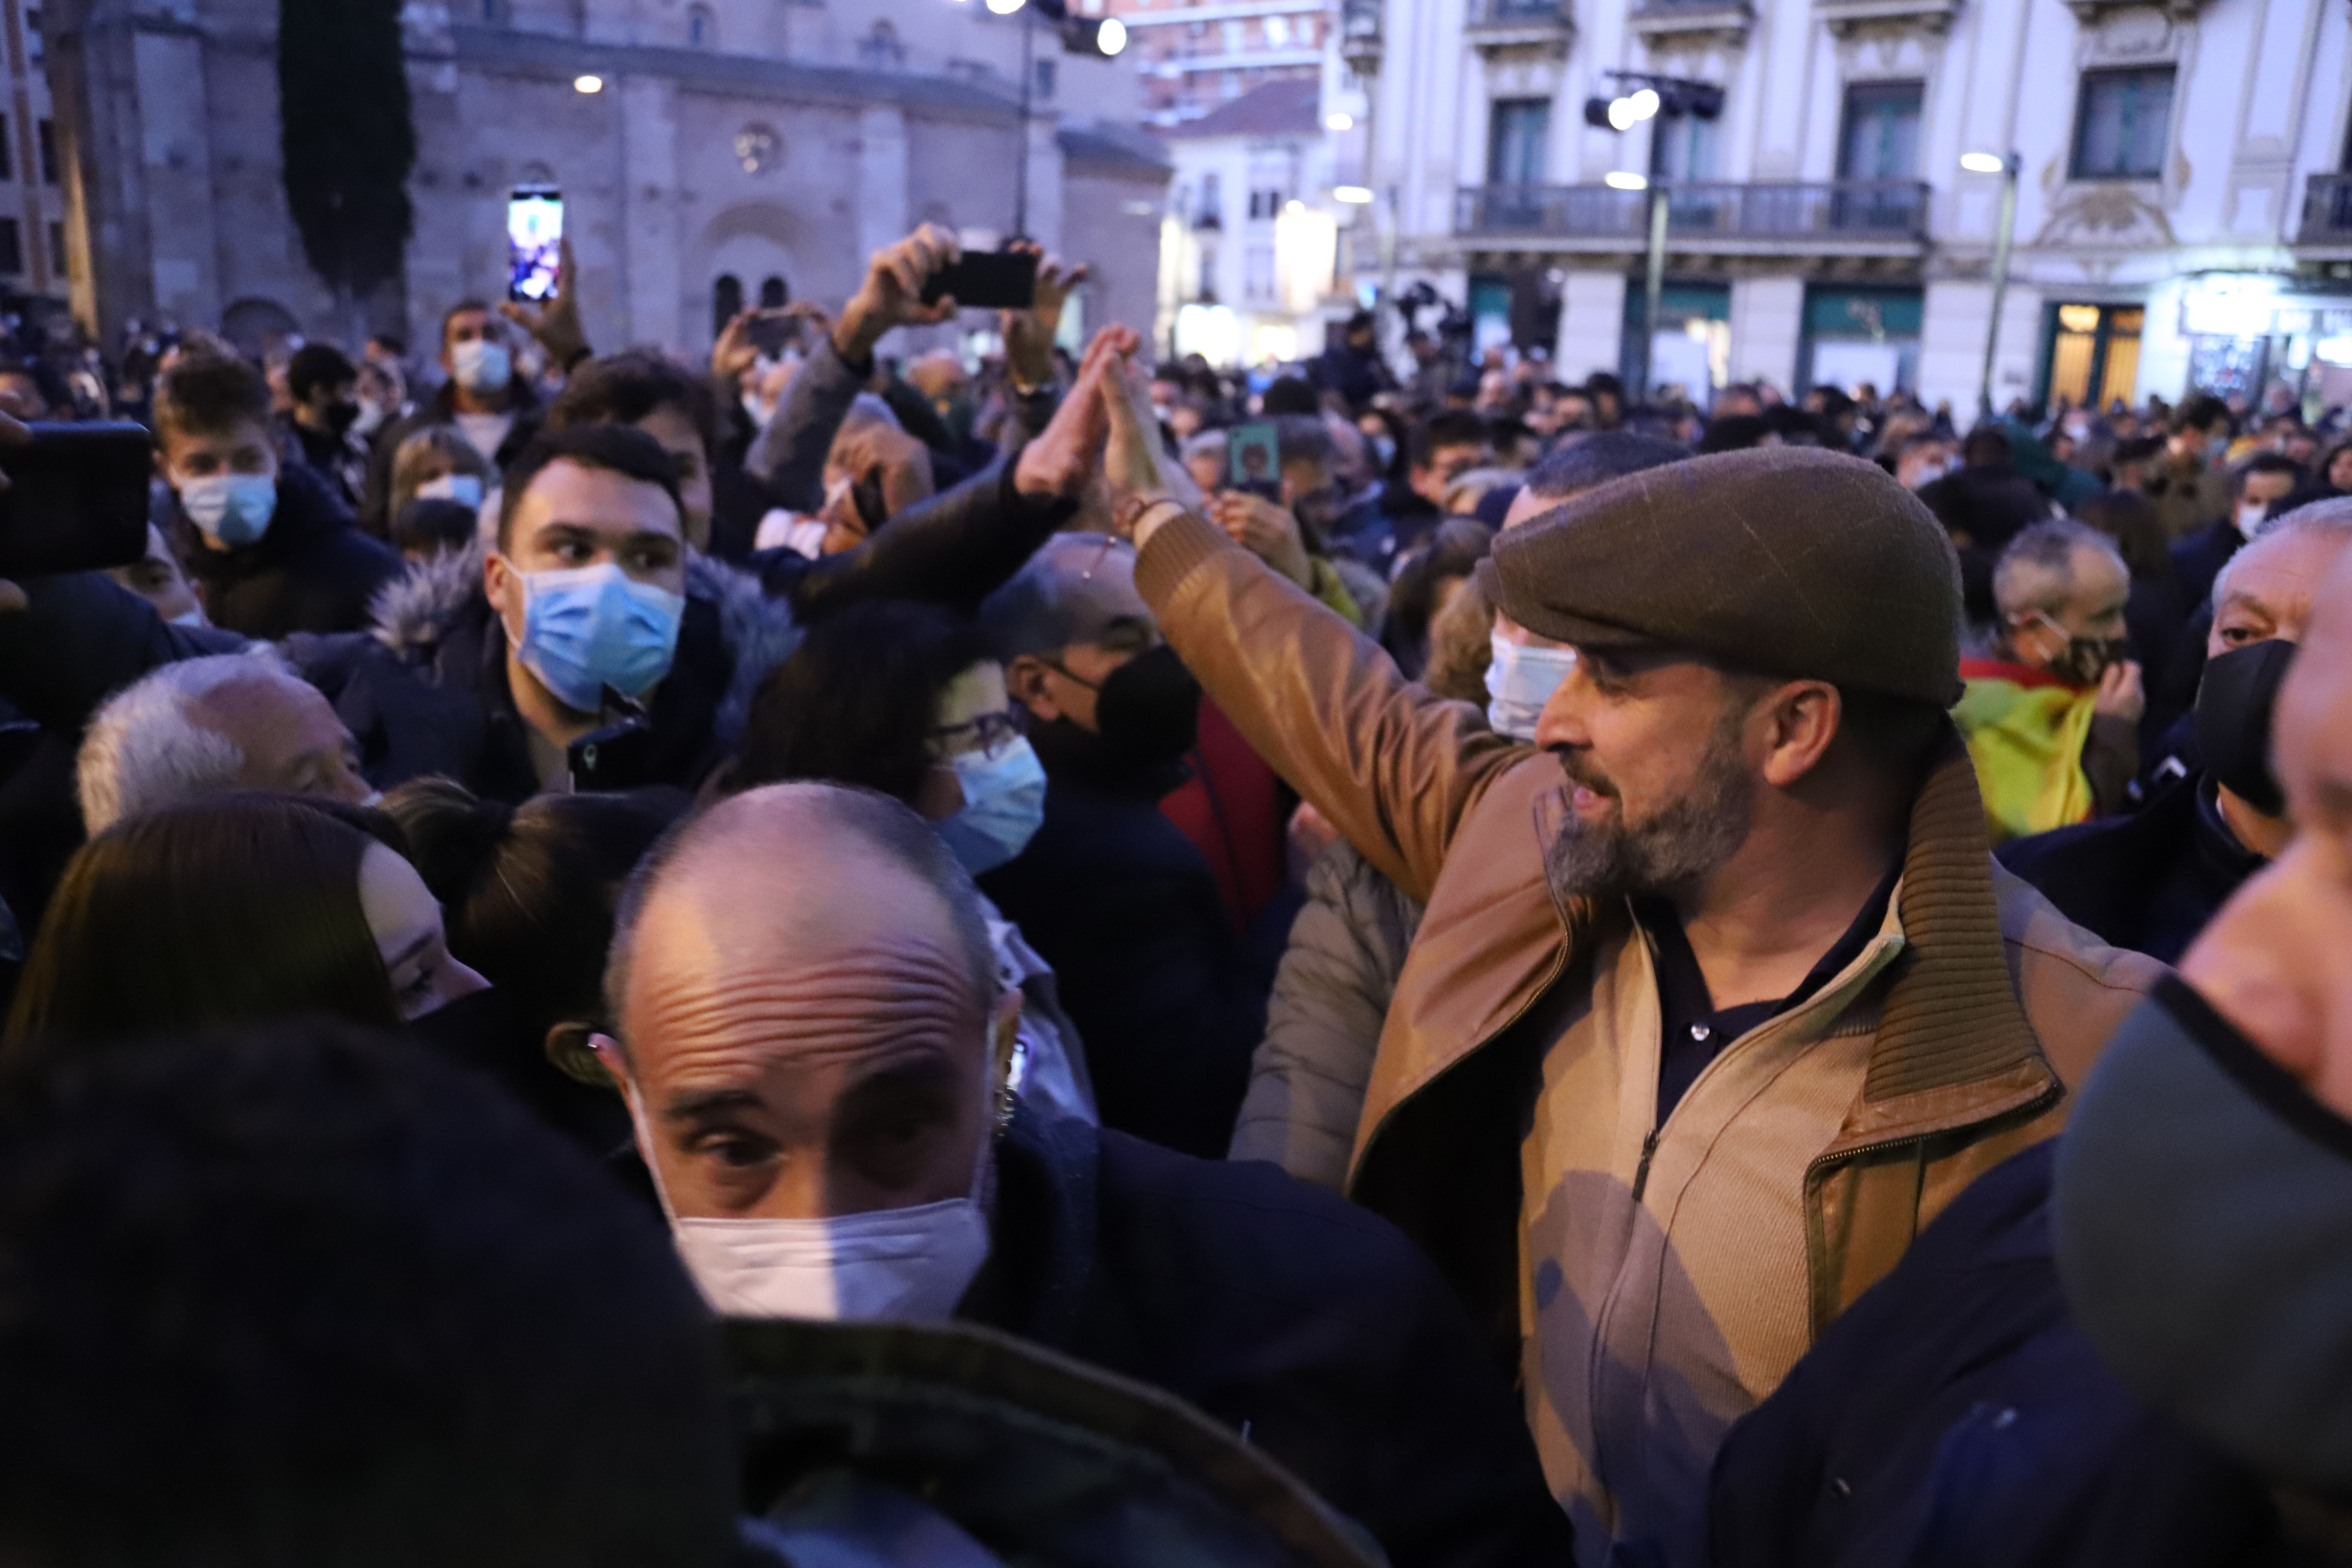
x=706 y=151
x=2183 y=218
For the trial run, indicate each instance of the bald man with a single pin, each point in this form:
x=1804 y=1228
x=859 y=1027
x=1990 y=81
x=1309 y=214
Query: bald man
x=2210 y=1156
x=814 y=1044
x=2151 y=879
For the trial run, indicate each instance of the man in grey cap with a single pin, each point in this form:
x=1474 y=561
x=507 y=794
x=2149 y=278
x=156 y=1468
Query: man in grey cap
x=1719 y=996
x=1110 y=891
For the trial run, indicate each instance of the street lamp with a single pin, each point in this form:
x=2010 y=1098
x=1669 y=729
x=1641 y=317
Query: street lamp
x=2004 y=228
x=587 y=84
x=1673 y=96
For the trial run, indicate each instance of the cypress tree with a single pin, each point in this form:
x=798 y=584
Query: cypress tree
x=345 y=138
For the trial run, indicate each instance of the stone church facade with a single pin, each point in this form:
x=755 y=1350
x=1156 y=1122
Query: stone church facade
x=706 y=151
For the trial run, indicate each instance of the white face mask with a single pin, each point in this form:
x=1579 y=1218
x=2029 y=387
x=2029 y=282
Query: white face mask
x=464 y=488
x=372 y=416
x=479 y=365
x=908 y=1264
x=2250 y=515
x=195 y=617
x=1519 y=681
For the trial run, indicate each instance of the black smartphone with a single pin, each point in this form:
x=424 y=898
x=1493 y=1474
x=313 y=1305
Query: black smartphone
x=534 y=242
x=77 y=499
x=987 y=281
x=773 y=334
x=1254 y=459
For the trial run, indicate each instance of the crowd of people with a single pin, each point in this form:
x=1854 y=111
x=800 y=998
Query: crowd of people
x=1599 y=983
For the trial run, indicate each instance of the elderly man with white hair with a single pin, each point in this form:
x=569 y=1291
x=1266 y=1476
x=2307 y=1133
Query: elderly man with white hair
x=810 y=1031
x=199 y=726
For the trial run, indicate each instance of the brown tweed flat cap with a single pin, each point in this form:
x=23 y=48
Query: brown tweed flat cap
x=1788 y=559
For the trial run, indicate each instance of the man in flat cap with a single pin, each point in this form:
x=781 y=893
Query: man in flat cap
x=1719 y=996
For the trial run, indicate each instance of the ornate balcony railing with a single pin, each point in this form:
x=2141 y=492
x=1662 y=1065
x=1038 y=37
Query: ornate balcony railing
x=1516 y=14
x=1758 y=210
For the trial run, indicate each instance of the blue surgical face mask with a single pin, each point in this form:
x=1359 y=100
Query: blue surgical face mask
x=1003 y=805
x=587 y=627
x=1519 y=681
x=465 y=490
x=479 y=365
x=232 y=510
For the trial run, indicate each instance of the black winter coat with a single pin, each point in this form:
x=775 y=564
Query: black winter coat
x=1955 y=1416
x=1125 y=908
x=1308 y=1324
x=2149 y=880
x=312 y=571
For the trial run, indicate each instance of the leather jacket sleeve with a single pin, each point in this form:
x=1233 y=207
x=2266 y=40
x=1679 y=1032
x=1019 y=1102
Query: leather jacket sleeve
x=788 y=457
x=1392 y=766
x=953 y=549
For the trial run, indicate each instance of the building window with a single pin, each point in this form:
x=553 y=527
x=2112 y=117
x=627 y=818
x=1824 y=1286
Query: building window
x=701 y=28
x=1882 y=131
x=1265 y=204
x=2122 y=123
x=1517 y=130
x=48 y=152
x=1258 y=273
x=33 y=36
x=1277 y=32
x=12 y=247
x=1682 y=147
x=58 y=267
x=774 y=295
x=7 y=151
x=1212 y=205
x=1231 y=34
x=1045 y=77
x=726 y=302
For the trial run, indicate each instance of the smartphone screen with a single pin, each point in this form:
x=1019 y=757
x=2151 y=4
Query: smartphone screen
x=987 y=281
x=535 y=241
x=1254 y=459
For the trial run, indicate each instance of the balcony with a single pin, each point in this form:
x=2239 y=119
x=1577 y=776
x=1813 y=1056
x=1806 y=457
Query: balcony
x=1498 y=26
x=1758 y=217
x=1668 y=24
x=2327 y=211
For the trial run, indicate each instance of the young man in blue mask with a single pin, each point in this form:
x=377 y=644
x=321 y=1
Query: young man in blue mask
x=271 y=553
x=809 y=1030
x=493 y=406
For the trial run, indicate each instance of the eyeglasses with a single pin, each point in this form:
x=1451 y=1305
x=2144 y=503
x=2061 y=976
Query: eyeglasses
x=989 y=733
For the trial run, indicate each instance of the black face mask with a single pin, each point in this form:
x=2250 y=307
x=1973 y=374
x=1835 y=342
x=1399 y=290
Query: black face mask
x=2083 y=660
x=2234 y=703
x=1148 y=711
x=341 y=416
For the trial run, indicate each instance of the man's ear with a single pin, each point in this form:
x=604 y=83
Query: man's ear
x=580 y=1054
x=1025 y=682
x=1805 y=717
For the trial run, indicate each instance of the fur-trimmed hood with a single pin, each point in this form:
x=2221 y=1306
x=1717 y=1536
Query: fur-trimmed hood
x=416 y=611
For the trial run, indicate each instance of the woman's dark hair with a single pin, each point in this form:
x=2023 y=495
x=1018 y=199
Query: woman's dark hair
x=226 y=910
x=2130 y=519
x=856 y=701
x=1454 y=551
x=527 y=893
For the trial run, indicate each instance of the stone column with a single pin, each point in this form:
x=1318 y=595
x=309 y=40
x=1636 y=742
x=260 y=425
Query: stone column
x=1591 y=323
x=652 y=306
x=882 y=217
x=1768 y=316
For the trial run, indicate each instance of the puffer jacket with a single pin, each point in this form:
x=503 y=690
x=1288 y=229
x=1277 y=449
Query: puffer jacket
x=424 y=688
x=1331 y=994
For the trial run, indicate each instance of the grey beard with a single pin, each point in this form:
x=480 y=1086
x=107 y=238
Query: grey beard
x=1687 y=840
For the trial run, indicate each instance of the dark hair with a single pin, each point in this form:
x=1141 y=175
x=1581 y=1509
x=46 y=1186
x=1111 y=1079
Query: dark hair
x=230 y=909
x=434 y=524
x=2131 y=520
x=1454 y=550
x=209 y=394
x=2137 y=449
x=300 y=1296
x=1733 y=433
x=527 y=893
x=394 y=343
x=1290 y=394
x=1585 y=461
x=1600 y=383
x=2264 y=463
x=1301 y=438
x=1986 y=447
x=463 y=307
x=856 y=701
x=621 y=450
x=315 y=365
x=1446 y=427
x=2202 y=410
x=624 y=388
